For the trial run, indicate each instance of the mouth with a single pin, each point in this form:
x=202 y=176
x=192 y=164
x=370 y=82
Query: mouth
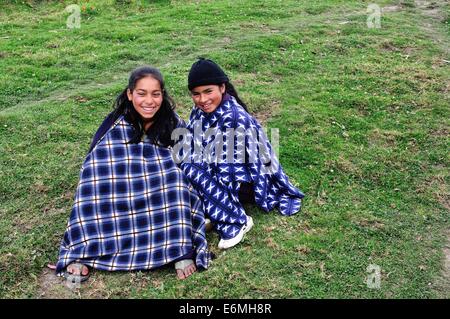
x=148 y=109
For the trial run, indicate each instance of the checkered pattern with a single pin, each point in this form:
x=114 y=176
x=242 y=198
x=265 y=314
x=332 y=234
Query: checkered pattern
x=218 y=182
x=134 y=209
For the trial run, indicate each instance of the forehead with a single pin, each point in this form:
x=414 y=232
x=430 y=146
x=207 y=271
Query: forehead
x=148 y=84
x=203 y=88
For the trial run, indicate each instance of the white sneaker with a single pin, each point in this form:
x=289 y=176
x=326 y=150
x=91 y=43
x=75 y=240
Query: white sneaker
x=228 y=243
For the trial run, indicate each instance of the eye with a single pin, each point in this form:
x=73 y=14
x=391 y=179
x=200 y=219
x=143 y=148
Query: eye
x=156 y=95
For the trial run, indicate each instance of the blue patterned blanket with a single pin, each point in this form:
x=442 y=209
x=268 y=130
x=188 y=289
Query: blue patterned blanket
x=134 y=209
x=226 y=148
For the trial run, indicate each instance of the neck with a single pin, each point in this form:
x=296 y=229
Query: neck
x=226 y=96
x=147 y=125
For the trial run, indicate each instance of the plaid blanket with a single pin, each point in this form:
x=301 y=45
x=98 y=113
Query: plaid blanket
x=218 y=180
x=134 y=209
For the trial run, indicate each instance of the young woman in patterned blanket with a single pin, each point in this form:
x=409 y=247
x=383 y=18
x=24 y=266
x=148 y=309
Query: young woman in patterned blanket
x=231 y=161
x=134 y=208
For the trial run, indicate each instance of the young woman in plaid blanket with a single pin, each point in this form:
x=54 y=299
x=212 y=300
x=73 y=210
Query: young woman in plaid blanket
x=220 y=125
x=134 y=208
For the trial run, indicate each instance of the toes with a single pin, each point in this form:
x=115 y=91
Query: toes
x=77 y=271
x=85 y=271
x=71 y=269
x=186 y=272
x=190 y=270
x=180 y=274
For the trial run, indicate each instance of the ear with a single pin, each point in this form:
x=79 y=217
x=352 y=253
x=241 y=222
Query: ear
x=222 y=88
x=130 y=96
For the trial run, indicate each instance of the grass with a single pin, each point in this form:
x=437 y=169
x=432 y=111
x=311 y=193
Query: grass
x=363 y=119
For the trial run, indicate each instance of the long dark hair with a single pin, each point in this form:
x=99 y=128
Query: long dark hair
x=163 y=122
x=229 y=88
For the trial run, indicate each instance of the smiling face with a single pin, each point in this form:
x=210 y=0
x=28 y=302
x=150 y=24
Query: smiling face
x=208 y=97
x=146 y=97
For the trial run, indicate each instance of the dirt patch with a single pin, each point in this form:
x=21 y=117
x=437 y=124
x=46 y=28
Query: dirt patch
x=270 y=242
x=409 y=50
x=389 y=46
x=441 y=132
x=393 y=8
x=263 y=115
x=344 y=164
x=434 y=11
x=227 y=40
x=54 y=287
x=446 y=88
x=372 y=224
x=384 y=138
x=431 y=8
x=81 y=99
x=440 y=62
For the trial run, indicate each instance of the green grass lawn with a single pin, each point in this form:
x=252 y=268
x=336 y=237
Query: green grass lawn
x=363 y=120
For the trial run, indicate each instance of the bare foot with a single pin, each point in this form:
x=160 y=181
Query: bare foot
x=77 y=270
x=186 y=272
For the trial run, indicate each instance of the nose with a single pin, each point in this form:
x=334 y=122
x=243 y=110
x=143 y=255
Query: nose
x=149 y=99
x=202 y=98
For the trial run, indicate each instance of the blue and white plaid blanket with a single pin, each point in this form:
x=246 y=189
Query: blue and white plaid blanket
x=134 y=208
x=218 y=180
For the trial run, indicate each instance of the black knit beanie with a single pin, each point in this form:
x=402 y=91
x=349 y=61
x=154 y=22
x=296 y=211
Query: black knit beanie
x=205 y=72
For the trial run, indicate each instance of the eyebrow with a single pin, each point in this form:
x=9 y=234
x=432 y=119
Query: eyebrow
x=208 y=89
x=143 y=90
